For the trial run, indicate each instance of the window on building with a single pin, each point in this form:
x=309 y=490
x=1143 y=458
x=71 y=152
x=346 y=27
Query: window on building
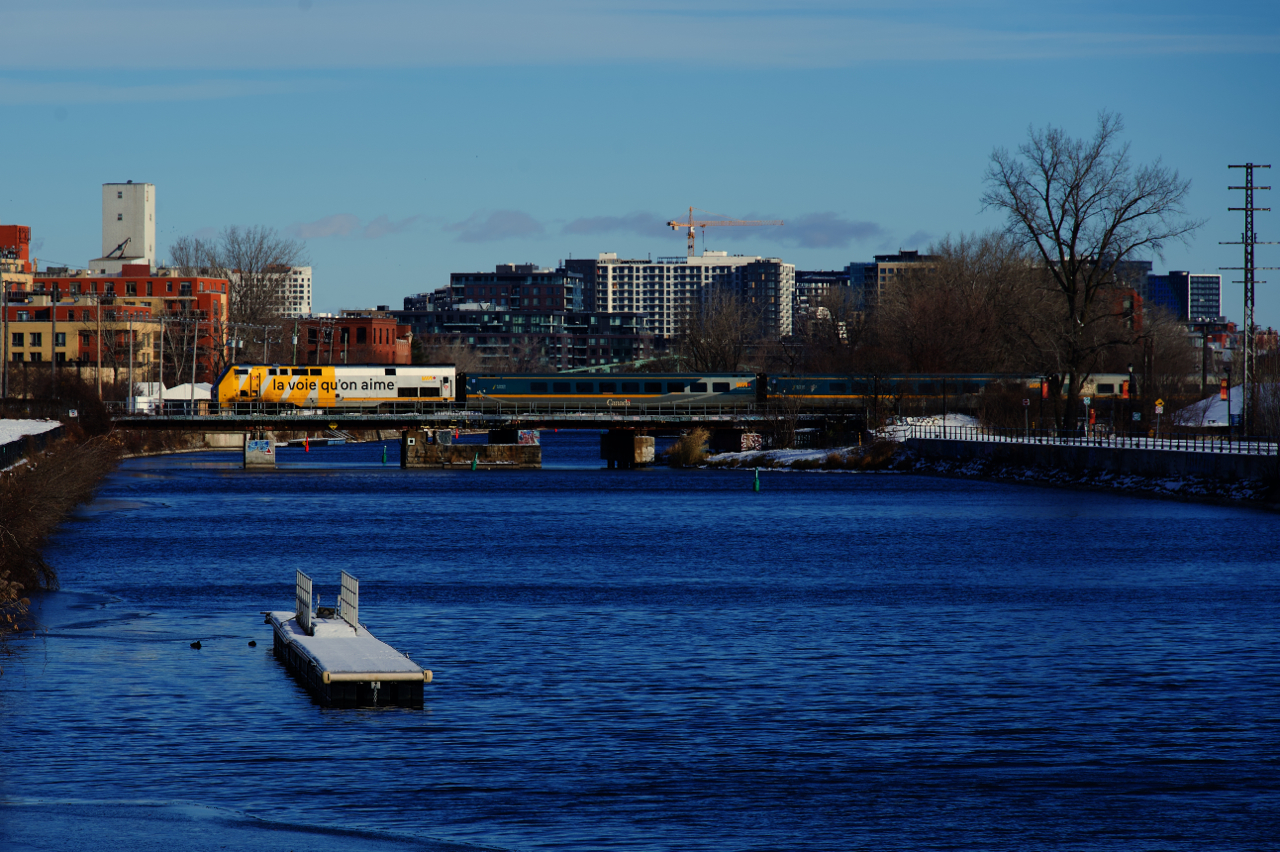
x=120 y=194
x=119 y=217
x=18 y=338
x=37 y=338
x=60 y=339
x=17 y=356
x=131 y=288
x=362 y=335
x=35 y=356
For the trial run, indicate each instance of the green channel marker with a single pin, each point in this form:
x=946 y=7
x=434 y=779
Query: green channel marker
x=756 y=487
x=475 y=460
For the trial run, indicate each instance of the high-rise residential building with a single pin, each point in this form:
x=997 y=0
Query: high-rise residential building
x=1200 y=293
x=887 y=269
x=128 y=227
x=519 y=287
x=666 y=290
x=296 y=293
x=814 y=286
x=1159 y=293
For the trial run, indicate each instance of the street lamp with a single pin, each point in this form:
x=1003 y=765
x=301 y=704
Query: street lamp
x=1129 y=397
x=1230 y=425
x=97 y=297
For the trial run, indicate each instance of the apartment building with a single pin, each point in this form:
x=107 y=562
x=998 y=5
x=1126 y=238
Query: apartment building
x=296 y=293
x=668 y=289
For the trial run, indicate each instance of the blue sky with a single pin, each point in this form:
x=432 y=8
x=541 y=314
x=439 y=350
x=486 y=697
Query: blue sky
x=406 y=140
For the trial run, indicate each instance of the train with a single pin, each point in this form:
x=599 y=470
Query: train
x=244 y=387
x=256 y=387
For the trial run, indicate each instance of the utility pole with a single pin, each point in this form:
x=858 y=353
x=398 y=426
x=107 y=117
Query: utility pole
x=53 y=343
x=129 y=404
x=1248 y=239
x=4 y=335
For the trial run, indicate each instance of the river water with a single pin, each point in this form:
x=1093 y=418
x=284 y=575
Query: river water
x=651 y=660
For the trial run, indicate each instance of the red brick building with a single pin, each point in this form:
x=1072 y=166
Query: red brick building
x=15 y=244
x=355 y=337
x=181 y=305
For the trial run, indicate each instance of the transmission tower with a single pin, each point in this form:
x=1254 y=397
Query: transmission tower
x=1249 y=239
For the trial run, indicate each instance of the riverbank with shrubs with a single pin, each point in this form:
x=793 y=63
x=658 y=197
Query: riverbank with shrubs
x=37 y=494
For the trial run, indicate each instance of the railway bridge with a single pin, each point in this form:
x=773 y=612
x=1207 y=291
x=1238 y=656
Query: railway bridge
x=626 y=440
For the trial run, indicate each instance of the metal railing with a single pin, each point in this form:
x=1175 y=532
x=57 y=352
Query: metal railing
x=1181 y=442
x=418 y=408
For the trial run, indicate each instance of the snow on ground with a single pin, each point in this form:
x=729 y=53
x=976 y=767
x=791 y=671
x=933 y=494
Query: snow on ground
x=12 y=430
x=784 y=457
x=898 y=429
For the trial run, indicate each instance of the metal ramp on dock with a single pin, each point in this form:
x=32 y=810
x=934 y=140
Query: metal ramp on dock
x=337 y=659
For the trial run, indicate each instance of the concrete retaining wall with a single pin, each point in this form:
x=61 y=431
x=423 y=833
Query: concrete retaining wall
x=17 y=449
x=1117 y=460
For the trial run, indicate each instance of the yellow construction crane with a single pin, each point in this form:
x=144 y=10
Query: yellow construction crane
x=677 y=225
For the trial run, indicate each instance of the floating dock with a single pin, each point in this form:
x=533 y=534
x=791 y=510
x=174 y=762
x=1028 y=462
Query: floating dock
x=337 y=659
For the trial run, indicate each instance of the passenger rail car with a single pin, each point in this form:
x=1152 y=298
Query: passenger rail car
x=614 y=390
x=332 y=386
x=847 y=389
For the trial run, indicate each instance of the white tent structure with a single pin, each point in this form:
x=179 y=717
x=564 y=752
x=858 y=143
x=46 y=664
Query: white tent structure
x=148 y=395
x=1213 y=411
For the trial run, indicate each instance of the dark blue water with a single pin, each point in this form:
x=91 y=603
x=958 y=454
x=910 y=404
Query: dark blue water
x=662 y=660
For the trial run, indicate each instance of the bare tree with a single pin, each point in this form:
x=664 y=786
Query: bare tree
x=829 y=338
x=716 y=334
x=437 y=349
x=256 y=260
x=1082 y=208
x=968 y=311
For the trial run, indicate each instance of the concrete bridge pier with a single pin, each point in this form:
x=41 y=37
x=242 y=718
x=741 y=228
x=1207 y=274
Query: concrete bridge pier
x=735 y=440
x=624 y=449
x=421 y=448
x=259 y=450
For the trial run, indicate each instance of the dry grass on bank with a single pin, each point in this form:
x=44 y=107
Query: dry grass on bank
x=35 y=497
x=690 y=450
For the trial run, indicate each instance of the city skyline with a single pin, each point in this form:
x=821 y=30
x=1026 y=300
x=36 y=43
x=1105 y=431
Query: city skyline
x=411 y=141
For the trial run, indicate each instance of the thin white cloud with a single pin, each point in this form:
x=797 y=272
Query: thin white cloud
x=643 y=224
x=337 y=225
x=407 y=33
x=383 y=225
x=17 y=92
x=806 y=230
x=496 y=226
x=347 y=225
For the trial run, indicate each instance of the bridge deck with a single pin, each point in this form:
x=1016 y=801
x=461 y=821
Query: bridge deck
x=486 y=417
